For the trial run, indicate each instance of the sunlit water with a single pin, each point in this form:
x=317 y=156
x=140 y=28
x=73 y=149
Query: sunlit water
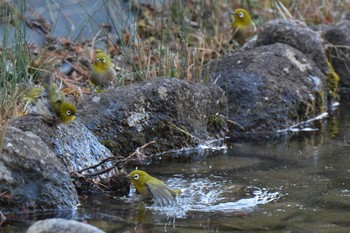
x=295 y=185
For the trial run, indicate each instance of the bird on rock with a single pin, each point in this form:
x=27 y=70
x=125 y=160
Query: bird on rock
x=102 y=72
x=50 y=103
x=243 y=26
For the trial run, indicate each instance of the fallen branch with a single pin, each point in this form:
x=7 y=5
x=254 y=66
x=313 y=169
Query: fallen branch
x=118 y=160
x=116 y=182
x=185 y=132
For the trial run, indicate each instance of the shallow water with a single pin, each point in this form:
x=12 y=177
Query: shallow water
x=299 y=185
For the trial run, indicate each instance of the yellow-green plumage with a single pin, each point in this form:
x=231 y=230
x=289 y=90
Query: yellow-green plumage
x=50 y=103
x=243 y=26
x=150 y=187
x=102 y=72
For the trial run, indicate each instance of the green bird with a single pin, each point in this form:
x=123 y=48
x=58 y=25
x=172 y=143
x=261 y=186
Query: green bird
x=242 y=27
x=150 y=187
x=102 y=72
x=50 y=103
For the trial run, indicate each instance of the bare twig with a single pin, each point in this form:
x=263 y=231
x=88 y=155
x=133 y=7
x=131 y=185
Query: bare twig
x=3 y=193
x=232 y=122
x=93 y=43
x=108 y=159
x=136 y=151
x=185 y=132
x=95 y=165
x=98 y=173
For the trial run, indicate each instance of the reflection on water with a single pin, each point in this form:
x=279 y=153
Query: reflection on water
x=299 y=185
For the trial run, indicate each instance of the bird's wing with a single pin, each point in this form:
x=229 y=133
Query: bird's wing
x=34 y=93
x=56 y=95
x=162 y=194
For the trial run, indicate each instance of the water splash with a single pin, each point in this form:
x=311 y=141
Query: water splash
x=204 y=195
x=202 y=148
x=215 y=144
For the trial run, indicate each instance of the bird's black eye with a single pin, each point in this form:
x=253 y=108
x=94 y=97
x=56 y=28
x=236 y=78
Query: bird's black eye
x=240 y=14
x=136 y=176
x=103 y=59
x=68 y=112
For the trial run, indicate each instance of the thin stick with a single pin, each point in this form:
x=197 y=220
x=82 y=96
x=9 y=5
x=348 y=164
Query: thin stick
x=110 y=158
x=184 y=131
x=93 y=43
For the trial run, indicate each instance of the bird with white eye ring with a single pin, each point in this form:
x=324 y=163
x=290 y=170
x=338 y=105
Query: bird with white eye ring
x=150 y=187
x=242 y=27
x=102 y=72
x=49 y=103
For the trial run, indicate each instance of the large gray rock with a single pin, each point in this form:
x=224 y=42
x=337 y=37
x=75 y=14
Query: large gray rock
x=270 y=87
x=339 y=38
x=74 y=145
x=31 y=177
x=296 y=34
x=172 y=112
x=59 y=225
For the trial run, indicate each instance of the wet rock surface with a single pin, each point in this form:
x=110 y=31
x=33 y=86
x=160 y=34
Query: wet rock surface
x=57 y=225
x=296 y=34
x=73 y=144
x=31 y=176
x=270 y=87
x=172 y=112
x=339 y=38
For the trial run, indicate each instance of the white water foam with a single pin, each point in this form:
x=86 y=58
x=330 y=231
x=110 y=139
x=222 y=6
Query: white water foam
x=203 y=195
